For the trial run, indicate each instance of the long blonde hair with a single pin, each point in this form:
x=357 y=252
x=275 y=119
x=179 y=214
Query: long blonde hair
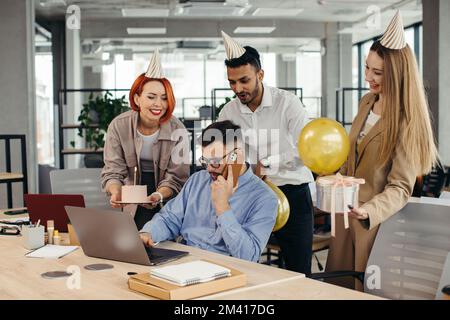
x=405 y=112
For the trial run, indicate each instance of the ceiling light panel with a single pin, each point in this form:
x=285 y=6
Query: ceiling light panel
x=254 y=29
x=143 y=13
x=146 y=30
x=276 y=12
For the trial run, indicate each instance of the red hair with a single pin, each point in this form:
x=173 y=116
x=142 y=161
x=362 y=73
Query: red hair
x=138 y=86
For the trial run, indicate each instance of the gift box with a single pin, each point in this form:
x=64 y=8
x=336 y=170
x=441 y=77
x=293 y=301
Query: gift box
x=335 y=194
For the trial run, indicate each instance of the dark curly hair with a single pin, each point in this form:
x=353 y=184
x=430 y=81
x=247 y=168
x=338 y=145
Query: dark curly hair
x=251 y=56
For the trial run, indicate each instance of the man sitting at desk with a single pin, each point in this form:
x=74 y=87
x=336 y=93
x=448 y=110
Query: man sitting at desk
x=211 y=214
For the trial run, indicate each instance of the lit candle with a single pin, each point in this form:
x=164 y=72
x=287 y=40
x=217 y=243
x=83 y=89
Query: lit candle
x=135 y=173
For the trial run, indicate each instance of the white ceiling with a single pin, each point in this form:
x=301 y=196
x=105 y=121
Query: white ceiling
x=102 y=21
x=313 y=10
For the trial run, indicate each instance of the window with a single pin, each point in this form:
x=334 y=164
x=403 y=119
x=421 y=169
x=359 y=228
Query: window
x=420 y=35
x=309 y=78
x=409 y=37
x=192 y=75
x=44 y=97
x=269 y=64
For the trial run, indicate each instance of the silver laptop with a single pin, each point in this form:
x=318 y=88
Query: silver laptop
x=113 y=235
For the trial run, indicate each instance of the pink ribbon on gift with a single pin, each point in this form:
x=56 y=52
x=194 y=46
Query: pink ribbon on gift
x=339 y=180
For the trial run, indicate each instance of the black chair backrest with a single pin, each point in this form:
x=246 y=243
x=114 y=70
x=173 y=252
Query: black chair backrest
x=434 y=182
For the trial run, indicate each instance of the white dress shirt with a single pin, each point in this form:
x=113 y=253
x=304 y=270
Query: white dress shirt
x=271 y=134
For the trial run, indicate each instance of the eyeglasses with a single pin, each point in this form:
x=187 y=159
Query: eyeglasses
x=214 y=162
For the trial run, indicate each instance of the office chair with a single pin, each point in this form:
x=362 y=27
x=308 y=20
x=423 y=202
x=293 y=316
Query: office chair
x=85 y=181
x=410 y=251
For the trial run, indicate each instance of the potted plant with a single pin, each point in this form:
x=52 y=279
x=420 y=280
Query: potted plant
x=94 y=118
x=220 y=107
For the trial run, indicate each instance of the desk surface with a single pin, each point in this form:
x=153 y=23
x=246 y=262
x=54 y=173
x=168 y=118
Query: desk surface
x=294 y=289
x=21 y=277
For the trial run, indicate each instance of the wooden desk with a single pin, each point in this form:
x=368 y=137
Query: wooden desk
x=294 y=289
x=21 y=277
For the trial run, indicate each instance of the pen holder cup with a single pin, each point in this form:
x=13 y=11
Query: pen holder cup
x=33 y=237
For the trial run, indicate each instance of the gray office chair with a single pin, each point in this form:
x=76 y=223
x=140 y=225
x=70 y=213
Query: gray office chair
x=409 y=252
x=85 y=181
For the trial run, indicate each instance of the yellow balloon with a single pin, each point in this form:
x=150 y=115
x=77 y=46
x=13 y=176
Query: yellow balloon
x=323 y=146
x=283 y=206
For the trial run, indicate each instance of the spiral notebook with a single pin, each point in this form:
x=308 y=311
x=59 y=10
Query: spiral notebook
x=189 y=273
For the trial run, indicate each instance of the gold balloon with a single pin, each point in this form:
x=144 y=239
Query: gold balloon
x=323 y=146
x=283 y=206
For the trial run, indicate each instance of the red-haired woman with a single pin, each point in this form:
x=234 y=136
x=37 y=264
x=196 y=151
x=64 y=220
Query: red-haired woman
x=148 y=138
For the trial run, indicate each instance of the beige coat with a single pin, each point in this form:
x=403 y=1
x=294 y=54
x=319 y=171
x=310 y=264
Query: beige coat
x=123 y=146
x=386 y=191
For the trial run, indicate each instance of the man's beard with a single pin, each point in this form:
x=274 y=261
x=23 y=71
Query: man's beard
x=253 y=94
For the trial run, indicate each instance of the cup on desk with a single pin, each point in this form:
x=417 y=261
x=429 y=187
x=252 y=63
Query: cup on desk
x=446 y=292
x=73 y=238
x=33 y=237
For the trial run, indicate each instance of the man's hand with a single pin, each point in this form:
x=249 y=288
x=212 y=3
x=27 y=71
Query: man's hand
x=221 y=191
x=147 y=239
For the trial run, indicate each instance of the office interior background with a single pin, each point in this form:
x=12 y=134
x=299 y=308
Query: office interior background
x=55 y=54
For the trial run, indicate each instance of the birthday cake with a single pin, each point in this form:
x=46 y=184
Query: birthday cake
x=134 y=194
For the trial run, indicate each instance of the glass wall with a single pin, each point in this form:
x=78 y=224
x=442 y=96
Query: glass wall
x=193 y=77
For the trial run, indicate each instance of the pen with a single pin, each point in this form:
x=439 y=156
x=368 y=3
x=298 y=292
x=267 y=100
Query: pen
x=13 y=212
x=37 y=224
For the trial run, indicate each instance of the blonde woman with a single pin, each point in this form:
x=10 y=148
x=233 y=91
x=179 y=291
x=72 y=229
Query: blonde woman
x=391 y=144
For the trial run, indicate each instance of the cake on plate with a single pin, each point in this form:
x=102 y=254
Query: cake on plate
x=134 y=194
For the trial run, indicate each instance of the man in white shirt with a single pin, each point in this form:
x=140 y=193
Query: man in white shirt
x=271 y=120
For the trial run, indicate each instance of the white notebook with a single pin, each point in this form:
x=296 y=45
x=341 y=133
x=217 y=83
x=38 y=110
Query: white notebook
x=51 y=251
x=191 y=272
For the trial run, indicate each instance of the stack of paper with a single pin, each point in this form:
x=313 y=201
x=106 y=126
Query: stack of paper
x=51 y=251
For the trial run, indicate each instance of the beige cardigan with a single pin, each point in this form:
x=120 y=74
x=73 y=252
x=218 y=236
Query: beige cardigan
x=386 y=191
x=123 y=146
x=387 y=187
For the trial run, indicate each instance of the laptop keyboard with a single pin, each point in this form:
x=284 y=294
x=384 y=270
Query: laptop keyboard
x=152 y=255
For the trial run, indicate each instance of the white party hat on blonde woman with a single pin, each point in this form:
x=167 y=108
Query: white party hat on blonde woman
x=394 y=36
x=154 y=67
x=234 y=50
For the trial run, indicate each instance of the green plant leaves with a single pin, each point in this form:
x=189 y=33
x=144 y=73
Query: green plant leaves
x=96 y=115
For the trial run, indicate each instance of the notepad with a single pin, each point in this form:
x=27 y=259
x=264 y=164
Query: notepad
x=51 y=251
x=189 y=273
